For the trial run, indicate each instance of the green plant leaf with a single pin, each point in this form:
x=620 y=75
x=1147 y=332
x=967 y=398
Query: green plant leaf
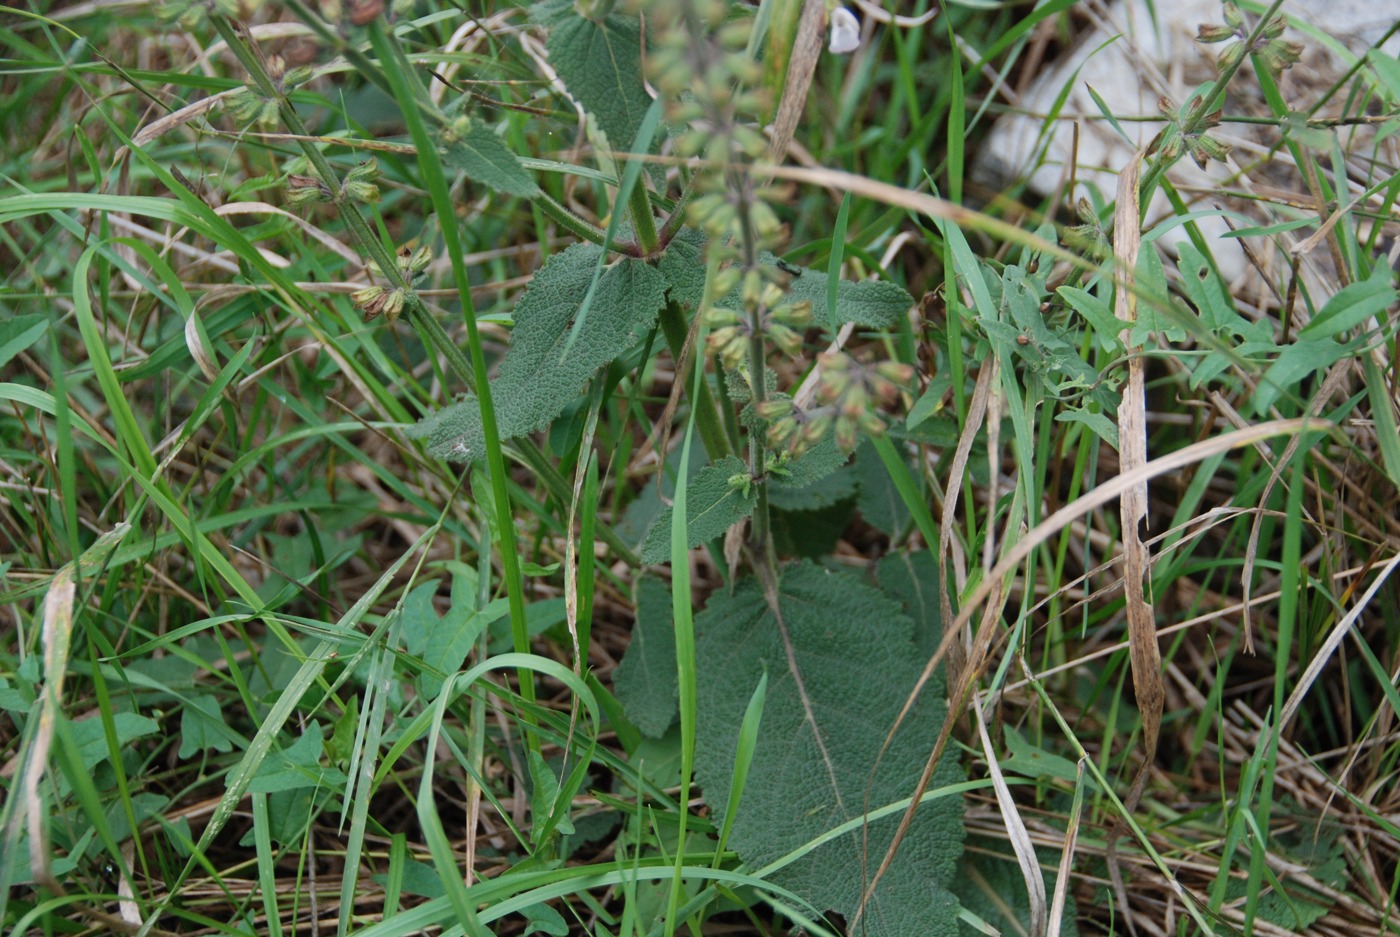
x=443 y=642
x=912 y=580
x=819 y=479
x=600 y=63
x=878 y=501
x=1207 y=292
x=202 y=727
x=486 y=159
x=1352 y=305
x=683 y=266
x=297 y=766
x=713 y=508
x=1387 y=69
x=19 y=333
x=534 y=384
x=645 y=681
x=1096 y=312
x=542 y=919
x=544 y=802
x=91 y=739
x=875 y=304
x=853 y=648
x=1152 y=280
x=1294 y=363
x=1102 y=426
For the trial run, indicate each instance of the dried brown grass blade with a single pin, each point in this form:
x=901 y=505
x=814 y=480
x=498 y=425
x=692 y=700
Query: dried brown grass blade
x=1146 y=657
x=1143 y=652
x=806 y=49
x=1057 y=904
x=1017 y=834
x=56 y=633
x=976 y=413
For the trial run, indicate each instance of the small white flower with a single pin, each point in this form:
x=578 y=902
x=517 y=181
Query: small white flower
x=845 y=31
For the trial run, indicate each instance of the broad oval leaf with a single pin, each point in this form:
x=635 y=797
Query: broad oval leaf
x=537 y=379
x=818 y=763
x=600 y=62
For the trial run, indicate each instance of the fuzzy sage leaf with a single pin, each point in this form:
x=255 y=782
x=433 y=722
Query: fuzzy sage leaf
x=534 y=384
x=854 y=649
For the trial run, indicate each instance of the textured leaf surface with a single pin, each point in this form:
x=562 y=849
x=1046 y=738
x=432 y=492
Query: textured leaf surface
x=876 y=304
x=536 y=379
x=879 y=501
x=683 y=266
x=819 y=479
x=601 y=65
x=712 y=507
x=911 y=579
x=853 y=647
x=487 y=160
x=645 y=681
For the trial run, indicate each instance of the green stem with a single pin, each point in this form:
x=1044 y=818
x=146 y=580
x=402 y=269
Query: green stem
x=643 y=221
x=758 y=389
x=571 y=222
x=1209 y=101
x=674 y=221
x=707 y=420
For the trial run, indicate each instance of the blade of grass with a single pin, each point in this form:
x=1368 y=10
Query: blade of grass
x=436 y=182
x=682 y=616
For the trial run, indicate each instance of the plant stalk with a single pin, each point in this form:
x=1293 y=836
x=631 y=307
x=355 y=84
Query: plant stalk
x=707 y=420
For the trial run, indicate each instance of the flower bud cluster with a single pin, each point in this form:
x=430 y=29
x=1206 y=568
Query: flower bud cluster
x=1089 y=235
x=389 y=301
x=359 y=186
x=854 y=390
x=713 y=87
x=1275 y=52
x=377 y=300
x=410 y=263
x=1188 y=133
x=765 y=308
x=250 y=106
x=849 y=393
x=710 y=83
